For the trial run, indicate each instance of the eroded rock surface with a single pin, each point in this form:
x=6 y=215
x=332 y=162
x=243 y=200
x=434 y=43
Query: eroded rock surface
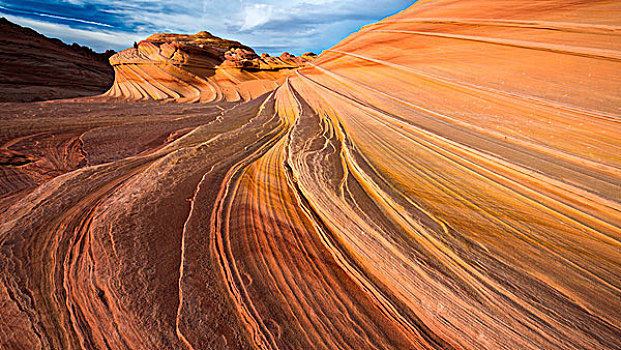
x=34 y=67
x=448 y=178
x=197 y=68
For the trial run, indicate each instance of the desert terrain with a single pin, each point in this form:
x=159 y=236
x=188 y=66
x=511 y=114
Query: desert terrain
x=446 y=178
x=35 y=67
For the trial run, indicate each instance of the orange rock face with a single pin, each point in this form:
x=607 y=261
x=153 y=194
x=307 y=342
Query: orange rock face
x=487 y=134
x=448 y=178
x=196 y=68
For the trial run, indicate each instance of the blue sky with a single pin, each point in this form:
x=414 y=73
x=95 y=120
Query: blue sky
x=271 y=26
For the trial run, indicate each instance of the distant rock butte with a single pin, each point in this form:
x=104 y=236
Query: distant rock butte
x=197 y=68
x=36 y=68
x=447 y=178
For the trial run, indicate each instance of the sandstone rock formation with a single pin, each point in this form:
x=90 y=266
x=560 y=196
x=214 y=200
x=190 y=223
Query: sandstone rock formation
x=197 y=68
x=36 y=68
x=448 y=178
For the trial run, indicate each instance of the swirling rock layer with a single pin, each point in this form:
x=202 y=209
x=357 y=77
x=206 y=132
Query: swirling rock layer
x=448 y=178
x=197 y=68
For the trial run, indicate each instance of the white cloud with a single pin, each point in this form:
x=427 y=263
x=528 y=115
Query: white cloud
x=98 y=40
x=256 y=15
x=74 y=20
x=75 y=2
x=273 y=25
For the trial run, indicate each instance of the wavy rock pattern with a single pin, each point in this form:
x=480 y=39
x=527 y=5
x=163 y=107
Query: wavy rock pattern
x=448 y=178
x=197 y=68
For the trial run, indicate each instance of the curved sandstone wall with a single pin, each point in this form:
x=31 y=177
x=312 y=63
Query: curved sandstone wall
x=448 y=178
x=196 y=68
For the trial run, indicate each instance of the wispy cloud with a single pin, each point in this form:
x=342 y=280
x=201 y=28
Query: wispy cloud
x=97 y=40
x=271 y=25
x=67 y=18
x=256 y=15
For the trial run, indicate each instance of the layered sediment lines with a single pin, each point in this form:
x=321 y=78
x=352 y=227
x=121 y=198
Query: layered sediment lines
x=197 y=68
x=448 y=178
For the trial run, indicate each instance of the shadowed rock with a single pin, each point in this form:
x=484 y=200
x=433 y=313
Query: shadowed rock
x=36 y=68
